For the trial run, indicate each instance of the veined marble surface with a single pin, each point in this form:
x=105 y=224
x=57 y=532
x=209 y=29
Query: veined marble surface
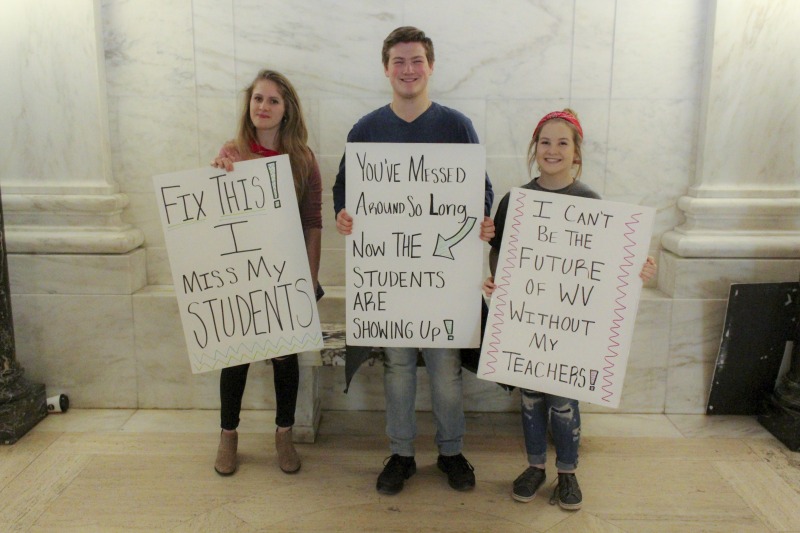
x=631 y=70
x=666 y=112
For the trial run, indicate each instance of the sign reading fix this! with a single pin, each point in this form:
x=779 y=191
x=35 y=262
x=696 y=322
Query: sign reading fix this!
x=239 y=263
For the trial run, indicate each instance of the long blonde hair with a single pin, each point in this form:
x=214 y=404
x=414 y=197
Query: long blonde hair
x=292 y=136
x=577 y=139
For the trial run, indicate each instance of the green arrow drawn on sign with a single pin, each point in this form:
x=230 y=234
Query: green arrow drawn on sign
x=444 y=246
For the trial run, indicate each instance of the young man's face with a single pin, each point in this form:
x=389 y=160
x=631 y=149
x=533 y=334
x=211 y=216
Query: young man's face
x=408 y=70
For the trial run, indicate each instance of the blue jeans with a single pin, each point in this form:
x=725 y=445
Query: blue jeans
x=565 y=426
x=400 y=387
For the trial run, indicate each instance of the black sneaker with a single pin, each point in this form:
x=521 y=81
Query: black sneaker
x=460 y=474
x=567 y=493
x=527 y=483
x=396 y=470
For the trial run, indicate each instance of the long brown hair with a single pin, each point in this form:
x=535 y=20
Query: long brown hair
x=292 y=136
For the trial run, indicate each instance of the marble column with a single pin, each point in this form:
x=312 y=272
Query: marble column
x=745 y=202
x=58 y=187
x=22 y=403
x=742 y=212
x=74 y=260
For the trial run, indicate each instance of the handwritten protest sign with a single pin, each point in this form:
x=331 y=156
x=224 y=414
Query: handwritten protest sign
x=415 y=258
x=562 y=316
x=239 y=263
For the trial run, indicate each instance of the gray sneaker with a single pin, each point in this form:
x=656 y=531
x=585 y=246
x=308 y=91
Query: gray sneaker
x=527 y=483
x=568 y=493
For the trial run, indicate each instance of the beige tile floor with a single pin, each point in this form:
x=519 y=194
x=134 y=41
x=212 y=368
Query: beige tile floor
x=125 y=470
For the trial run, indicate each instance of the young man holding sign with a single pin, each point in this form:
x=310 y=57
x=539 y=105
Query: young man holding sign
x=412 y=117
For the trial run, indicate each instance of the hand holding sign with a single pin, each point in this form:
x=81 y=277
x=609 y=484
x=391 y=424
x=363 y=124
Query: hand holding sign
x=566 y=292
x=414 y=259
x=244 y=290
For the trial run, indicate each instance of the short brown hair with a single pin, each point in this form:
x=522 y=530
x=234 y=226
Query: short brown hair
x=407 y=34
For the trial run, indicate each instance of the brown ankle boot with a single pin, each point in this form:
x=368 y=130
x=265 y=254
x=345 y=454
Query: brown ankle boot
x=288 y=460
x=226 y=453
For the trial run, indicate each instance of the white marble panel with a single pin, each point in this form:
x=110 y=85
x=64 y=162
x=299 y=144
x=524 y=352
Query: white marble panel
x=659 y=49
x=515 y=49
x=365 y=392
x=214 y=50
x=330 y=237
x=114 y=137
x=510 y=123
x=645 y=387
x=592 y=52
x=77 y=274
x=157 y=136
x=149 y=47
x=158 y=269
x=311 y=114
x=324 y=47
x=752 y=101
x=332 y=306
x=712 y=278
x=217 y=121
x=332 y=267
x=82 y=346
x=328 y=167
x=55 y=130
x=143 y=213
x=164 y=375
x=655 y=173
x=695 y=334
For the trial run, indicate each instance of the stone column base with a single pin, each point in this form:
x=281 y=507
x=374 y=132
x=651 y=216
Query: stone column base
x=27 y=407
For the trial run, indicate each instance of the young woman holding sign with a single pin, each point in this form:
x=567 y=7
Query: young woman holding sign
x=272 y=123
x=555 y=149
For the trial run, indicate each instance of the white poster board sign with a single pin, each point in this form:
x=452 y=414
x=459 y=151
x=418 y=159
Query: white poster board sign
x=414 y=259
x=562 y=316
x=239 y=263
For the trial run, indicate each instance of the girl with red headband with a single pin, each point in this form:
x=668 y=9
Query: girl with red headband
x=556 y=150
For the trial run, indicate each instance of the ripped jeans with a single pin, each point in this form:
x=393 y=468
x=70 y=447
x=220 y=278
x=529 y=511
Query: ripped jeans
x=565 y=425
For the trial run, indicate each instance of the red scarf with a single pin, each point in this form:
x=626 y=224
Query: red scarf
x=260 y=150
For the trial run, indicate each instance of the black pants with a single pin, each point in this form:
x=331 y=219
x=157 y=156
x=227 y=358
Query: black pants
x=286 y=375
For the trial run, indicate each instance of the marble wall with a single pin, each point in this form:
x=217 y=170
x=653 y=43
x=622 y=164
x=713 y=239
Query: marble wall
x=631 y=69
x=144 y=87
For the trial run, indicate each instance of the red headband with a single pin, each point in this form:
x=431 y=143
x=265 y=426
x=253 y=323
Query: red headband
x=562 y=115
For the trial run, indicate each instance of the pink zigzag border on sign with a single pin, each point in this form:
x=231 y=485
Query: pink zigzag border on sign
x=500 y=291
x=625 y=268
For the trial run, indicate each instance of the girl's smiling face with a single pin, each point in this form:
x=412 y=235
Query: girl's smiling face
x=555 y=150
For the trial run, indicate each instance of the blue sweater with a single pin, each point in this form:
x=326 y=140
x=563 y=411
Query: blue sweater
x=439 y=124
